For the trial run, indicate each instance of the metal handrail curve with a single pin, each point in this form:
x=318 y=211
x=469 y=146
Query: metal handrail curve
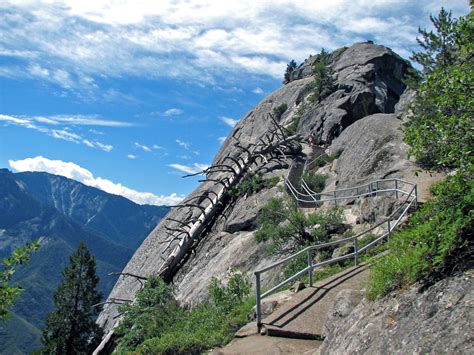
x=391 y=221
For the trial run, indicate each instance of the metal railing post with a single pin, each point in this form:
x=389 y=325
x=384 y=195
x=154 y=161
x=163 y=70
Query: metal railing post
x=259 y=306
x=310 y=271
x=376 y=188
x=416 y=196
x=389 y=228
x=356 y=252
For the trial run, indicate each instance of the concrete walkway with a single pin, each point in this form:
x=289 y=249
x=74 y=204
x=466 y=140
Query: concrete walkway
x=295 y=327
x=304 y=315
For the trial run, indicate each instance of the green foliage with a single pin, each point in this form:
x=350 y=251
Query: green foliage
x=324 y=159
x=71 y=327
x=436 y=239
x=226 y=297
x=292 y=128
x=439 y=236
x=279 y=111
x=315 y=182
x=441 y=131
x=338 y=52
x=412 y=78
x=289 y=229
x=290 y=67
x=252 y=184
x=438 y=48
x=150 y=314
x=8 y=293
x=323 y=77
x=156 y=324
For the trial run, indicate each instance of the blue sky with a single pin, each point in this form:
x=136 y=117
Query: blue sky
x=128 y=96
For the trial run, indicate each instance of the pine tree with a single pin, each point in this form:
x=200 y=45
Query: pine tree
x=438 y=48
x=290 y=68
x=440 y=131
x=323 y=77
x=71 y=327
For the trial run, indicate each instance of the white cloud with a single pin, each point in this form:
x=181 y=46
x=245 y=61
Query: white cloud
x=131 y=156
x=142 y=146
x=71 y=43
x=195 y=168
x=257 y=91
x=183 y=144
x=186 y=146
x=65 y=134
x=231 y=122
x=105 y=147
x=71 y=120
x=78 y=173
x=173 y=112
x=156 y=146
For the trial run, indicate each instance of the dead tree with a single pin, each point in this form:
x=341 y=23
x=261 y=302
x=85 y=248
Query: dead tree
x=269 y=147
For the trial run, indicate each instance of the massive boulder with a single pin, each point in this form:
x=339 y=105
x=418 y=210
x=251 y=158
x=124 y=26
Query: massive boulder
x=370 y=149
x=368 y=83
x=368 y=80
x=436 y=320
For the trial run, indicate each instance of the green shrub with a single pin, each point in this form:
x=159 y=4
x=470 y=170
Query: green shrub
x=435 y=240
x=226 y=297
x=279 y=111
x=292 y=128
x=323 y=160
x=154 y=309
x=315 y=182
x=156 y=324
x=252 y=184
x=288 y=229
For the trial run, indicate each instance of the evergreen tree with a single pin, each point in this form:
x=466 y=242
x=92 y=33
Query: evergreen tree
x=438 y=48
x=441 y=131
x=71 y=327
x=290 y=68
x=323 y=80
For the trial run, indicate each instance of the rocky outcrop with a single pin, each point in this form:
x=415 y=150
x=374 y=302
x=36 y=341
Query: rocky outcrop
x=370 y=149
x=437 y=321
x=368 y=81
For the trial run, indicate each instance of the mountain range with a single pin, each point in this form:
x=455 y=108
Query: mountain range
x=61 y=212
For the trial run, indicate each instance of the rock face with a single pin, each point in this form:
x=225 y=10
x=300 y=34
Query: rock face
x=368 y=79
x=368 y=84
x=370 y=149
x=438 y=320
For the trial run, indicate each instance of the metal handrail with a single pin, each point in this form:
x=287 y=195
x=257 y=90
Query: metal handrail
x=410 y=200
x=310 y=197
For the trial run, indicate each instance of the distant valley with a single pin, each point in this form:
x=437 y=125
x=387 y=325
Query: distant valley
x=61 y=212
